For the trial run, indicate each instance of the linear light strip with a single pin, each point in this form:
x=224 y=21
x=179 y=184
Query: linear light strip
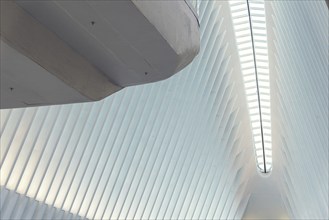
x=250 y=31
x=256 y=75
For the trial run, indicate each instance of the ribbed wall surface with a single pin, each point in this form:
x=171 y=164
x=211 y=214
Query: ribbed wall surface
x=27 y=208
x=300 y=90
x=177 y=149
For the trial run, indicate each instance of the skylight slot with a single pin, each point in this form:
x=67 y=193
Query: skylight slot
x=250 y=31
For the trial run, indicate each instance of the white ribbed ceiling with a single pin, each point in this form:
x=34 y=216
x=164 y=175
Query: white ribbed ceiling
x=300 y=84
x=182 y=148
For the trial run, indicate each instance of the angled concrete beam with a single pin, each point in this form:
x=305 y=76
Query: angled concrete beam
x=25 y=34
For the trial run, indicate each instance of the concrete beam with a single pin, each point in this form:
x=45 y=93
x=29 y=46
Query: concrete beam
x=25 y=34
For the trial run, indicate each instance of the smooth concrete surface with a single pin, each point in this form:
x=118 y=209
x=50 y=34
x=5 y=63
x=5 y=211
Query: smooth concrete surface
x=26 y=35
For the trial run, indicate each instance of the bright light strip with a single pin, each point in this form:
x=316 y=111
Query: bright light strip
x=250 y=31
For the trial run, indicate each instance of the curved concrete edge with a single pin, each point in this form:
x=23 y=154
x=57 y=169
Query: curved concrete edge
x=177 y=24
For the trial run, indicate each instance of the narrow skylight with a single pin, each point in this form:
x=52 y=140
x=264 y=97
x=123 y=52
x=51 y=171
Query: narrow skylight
x=250 y=31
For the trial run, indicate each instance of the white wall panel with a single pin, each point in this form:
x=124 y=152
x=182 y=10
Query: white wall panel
x=300 y=77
